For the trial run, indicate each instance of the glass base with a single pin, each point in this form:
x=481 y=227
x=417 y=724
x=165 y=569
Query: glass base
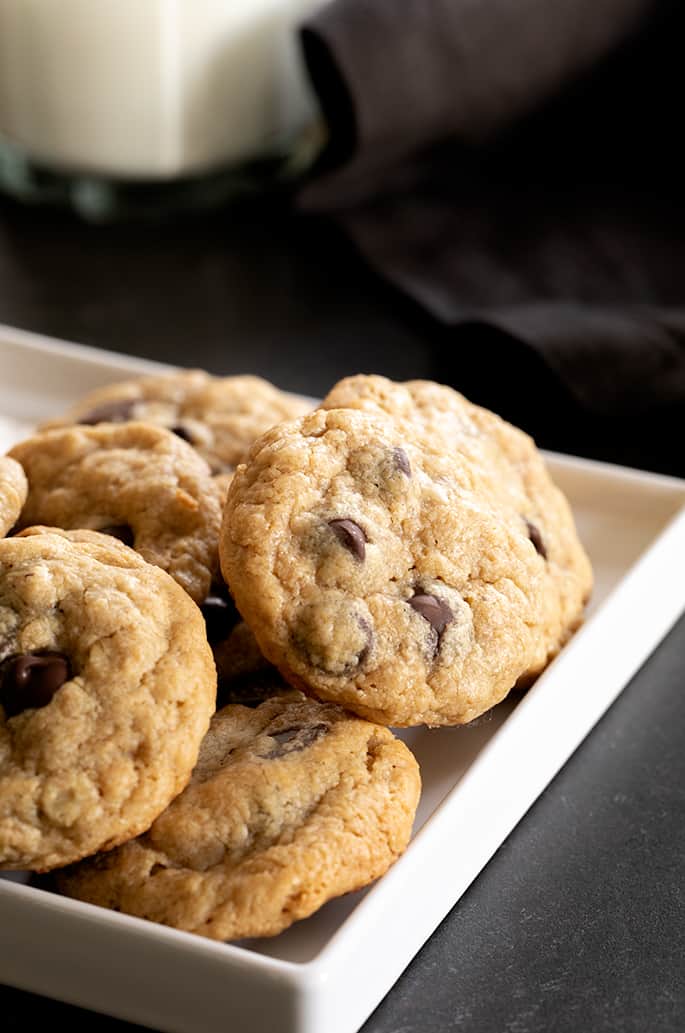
x=98 y=199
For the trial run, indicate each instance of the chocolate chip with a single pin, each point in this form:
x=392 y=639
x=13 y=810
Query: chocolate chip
x=536 y=539
x=181 y=432
x=366 y=651
x=121 y=531
x=351 y=536
x=432 y=609
x=220 y=614
x=292 y=740
x=402 y=461
x=30 y=680
x=109 y=412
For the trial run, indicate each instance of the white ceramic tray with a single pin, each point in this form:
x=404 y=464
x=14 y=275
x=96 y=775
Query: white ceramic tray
x=326 y=974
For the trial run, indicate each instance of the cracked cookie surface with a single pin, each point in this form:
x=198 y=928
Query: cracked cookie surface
x=136 y=482
x=374 y=571
x=512 y=473
x=219 y=416
x=290 y=804
x=102 y=659
x=13 y=491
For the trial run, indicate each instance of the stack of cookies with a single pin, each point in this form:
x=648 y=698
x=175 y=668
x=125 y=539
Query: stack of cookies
x=215 y=602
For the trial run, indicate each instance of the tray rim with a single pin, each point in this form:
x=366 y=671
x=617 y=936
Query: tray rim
x=310 y=980
x=38 y=342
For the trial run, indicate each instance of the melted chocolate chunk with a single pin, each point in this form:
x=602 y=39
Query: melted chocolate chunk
x=29 y=681
x=402 y=461
x=109 y=412
x=432 y=609
x=351 y=536
x=292 y=740
x=536 y=539
x=366 y=651
x=181 y=432
x=220 y=613
x=121 y=531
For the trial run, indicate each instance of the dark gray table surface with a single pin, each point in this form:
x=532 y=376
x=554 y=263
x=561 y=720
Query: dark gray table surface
x=578 y=922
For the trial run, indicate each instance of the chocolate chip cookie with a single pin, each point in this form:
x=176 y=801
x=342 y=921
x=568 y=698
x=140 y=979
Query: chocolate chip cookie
x=13 y=491
x=374 y=571
x=512 y=474
x=134 y=481
x=107 y=686
x=219 y=416
x=290 y=804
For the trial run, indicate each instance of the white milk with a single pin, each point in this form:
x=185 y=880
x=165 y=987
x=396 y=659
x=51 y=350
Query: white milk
x=151 y=88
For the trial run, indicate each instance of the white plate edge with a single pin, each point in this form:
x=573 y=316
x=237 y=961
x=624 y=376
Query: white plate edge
x=315 y=976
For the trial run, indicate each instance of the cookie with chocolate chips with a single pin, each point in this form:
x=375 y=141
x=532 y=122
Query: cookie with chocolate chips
x=136 y=482
x=102 y=659
x=512 y=475
x=219 y=416
x=13 y=491
x=374 y=571
x=290 y=804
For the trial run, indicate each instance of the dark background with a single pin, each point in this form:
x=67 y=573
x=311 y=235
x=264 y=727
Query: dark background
x=251 y=286
x=578 y=923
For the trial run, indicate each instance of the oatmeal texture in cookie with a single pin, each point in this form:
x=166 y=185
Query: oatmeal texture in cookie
x=13 y=491
x=290 y=804
x=134 y=481
x=375 y=572
x=512 y=473
x=219 y=416
x=107 y=686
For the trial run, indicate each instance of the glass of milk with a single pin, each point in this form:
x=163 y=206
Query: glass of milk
x=105 y=103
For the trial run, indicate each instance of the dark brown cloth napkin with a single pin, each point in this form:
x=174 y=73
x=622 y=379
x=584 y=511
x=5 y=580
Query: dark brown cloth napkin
x=514 y=168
